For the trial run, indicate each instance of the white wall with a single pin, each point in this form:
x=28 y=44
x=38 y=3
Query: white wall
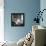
x=1 y=20
x=43 y=6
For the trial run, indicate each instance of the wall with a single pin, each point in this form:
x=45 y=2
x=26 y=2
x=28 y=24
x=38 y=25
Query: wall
x=43 y=6
x=1 y=20
x=29 y=7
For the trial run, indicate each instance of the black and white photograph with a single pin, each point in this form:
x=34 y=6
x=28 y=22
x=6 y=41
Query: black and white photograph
x=17 y=19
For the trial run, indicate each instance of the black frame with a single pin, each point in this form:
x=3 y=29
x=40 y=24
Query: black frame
x=15 y=15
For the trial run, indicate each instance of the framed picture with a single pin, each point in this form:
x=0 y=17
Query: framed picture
x=17 y=19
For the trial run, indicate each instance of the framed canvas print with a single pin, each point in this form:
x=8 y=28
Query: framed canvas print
x=17 y=19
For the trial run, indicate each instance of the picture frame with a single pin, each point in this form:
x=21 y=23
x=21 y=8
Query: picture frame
x=17 y=19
